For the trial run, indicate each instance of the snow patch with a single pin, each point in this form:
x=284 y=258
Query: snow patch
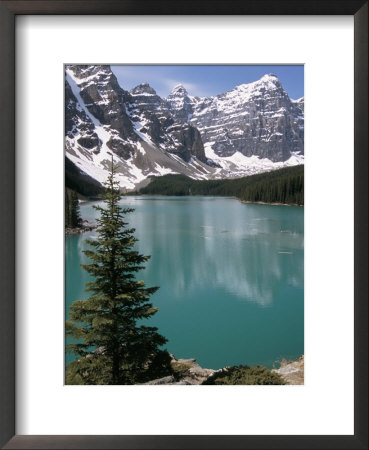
x=239 y=165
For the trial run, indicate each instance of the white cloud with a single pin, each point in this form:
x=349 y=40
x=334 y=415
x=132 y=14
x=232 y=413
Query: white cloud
x=130 y=76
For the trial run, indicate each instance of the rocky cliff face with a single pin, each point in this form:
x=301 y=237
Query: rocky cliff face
x=162 y=126
x=254 y=119
x=252 y=128
x=187 y=142
x=79 y=125
x=97 y=93
x=180 y=103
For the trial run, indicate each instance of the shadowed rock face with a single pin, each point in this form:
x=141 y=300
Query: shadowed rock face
x=101 y=119
x=188 y=142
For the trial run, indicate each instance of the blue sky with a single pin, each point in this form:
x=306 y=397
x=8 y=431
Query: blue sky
x=208 y=80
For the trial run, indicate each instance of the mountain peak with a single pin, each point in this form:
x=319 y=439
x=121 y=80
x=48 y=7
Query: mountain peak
x=267 y=81
x=270 y=79
x=92 y=73
x=269 y=76
x=251 y=128
x=178 y=89
x=143 y=88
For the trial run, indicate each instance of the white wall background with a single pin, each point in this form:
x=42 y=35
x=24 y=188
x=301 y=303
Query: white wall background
x=325 y=404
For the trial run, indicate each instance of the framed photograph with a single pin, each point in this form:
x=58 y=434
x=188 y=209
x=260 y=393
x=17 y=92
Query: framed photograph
x=173 y=161
x=157 y=163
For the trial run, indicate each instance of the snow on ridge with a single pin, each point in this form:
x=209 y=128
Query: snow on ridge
x=138 y=125
x=102 y=131
x=96 y=165
x=240 y=165
x=298 y=100
x=143 y=94
x=162 y=170
x=235 y=99
x=99 y=78
x=269 y=76
x=231 y=103
x=178 y=87
x=143 y=89
x=268 y=81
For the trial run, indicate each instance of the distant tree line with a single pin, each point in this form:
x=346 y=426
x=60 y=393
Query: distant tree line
x=285 y=189
x=279 y=186
x=72 y=210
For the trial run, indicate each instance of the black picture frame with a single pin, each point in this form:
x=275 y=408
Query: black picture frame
x=8 y=12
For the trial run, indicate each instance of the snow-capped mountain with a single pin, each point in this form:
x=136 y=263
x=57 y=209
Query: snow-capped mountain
x=254 y=119
x=252 y=128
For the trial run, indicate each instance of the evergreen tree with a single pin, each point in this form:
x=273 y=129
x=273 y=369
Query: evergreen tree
x=113 y=347
x=75 y=215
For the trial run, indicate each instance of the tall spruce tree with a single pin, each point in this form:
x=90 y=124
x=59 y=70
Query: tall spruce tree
x=113 y=346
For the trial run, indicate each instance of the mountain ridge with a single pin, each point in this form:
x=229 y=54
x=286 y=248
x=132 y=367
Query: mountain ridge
x=252 y=128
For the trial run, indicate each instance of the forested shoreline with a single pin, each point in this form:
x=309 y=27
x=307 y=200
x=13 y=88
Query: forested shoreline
x=283 y=186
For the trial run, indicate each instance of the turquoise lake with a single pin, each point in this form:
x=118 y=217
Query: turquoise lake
x=231 y=276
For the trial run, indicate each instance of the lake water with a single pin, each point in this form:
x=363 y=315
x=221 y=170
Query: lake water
x=231 y=276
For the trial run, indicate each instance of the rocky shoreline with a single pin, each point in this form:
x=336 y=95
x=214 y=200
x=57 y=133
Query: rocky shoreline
x=86 y=226
x=269 y=203
x=189 y=372
x=292 y=371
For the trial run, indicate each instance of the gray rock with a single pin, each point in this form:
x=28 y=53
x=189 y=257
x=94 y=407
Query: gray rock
x=167 y=135
x=255 y=119
x=164 y=380
x=104 y=99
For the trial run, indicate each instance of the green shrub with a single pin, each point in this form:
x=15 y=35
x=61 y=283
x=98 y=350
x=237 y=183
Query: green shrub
x=95 y=369
x=245 y=375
